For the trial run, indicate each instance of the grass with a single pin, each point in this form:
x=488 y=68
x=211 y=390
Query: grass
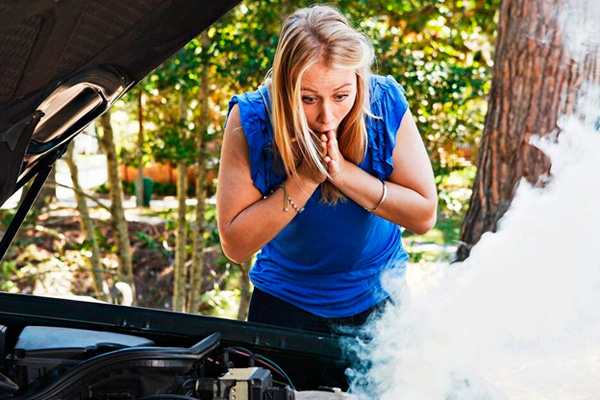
x=437 y=245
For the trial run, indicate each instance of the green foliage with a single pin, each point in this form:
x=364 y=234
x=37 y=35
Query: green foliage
x=128 y=188
x=211 y=235
x=174 y=143
x=9 y=273
x=149 y=241
x=5 y=217
x=102 y=189
x=164 y=189
x=439 y=244
x=454 y=191
x=220 y=303
x=441 y=51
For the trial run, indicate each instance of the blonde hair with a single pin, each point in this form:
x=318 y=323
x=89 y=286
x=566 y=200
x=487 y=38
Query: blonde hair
x=309 y=36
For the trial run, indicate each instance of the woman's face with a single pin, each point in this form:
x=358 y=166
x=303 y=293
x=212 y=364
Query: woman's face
x=328 y=95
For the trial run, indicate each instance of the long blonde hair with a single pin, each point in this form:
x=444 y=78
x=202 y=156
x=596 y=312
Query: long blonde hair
x=311 y=35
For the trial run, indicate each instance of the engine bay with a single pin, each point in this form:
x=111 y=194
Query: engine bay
x=48 y=362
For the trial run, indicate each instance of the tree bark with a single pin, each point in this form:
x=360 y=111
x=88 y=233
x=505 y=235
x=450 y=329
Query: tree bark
x=179 y=290
x=246 y=293
x=139 y=182
x=197 y=269
x=88 y=229
x=119 y=221
x=535 y=81
x=180 y=273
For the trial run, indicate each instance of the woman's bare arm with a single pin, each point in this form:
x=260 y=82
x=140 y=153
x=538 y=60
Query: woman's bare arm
x=246 y=221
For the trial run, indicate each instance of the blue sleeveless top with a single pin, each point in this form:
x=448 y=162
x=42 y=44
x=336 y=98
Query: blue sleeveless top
x=329 y=259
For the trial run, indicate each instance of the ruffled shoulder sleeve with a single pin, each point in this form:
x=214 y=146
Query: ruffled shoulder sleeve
x=388 y=106
x=254 y=115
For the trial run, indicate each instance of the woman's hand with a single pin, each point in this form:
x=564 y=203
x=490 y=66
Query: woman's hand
x=333 y=158
x=412 y=199
x=308 y=171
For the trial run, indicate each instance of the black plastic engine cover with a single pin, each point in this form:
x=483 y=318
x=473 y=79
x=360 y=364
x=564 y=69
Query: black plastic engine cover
x=44 y=350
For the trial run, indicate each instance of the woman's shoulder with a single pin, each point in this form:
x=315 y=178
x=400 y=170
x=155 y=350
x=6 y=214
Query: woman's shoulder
x=257 y=99
x=388 y=107
x=254 y=109
x=385 y=86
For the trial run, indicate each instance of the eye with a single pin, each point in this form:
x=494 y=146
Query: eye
x=309 y=99
x=341 y=97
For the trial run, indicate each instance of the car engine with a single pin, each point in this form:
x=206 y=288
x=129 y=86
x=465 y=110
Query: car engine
x=65 y=363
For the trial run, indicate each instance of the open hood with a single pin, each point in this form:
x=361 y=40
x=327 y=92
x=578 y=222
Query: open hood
x=62 y=64
x=65 y=62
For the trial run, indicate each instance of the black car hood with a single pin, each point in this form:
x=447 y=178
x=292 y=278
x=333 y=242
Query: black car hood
x=62 y=64
x=65 y=62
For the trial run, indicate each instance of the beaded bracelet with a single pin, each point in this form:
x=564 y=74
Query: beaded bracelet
x=287 y=199
x=383 y=197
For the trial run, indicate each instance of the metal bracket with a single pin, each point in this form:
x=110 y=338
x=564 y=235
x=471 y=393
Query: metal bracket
x=42 y=170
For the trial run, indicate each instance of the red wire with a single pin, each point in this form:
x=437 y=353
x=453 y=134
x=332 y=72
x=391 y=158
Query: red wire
x=262 y=362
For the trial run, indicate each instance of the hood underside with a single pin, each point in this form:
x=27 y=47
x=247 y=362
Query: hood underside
x=65 y=62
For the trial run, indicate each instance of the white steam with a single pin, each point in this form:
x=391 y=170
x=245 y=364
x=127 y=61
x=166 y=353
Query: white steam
x=578 y=20
x=520 y=318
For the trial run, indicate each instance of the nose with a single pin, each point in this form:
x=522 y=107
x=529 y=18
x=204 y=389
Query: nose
x=326 y=113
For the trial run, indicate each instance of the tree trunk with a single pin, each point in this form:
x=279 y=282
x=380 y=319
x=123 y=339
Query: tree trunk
x=180 y=269
x=197 y=270
x=245 y=290
x=88 y=229
x=535 y=81
x=179 y=292
x=139 y=182
x=116 y=204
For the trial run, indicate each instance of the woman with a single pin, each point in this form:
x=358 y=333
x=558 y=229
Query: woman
x=319 y=169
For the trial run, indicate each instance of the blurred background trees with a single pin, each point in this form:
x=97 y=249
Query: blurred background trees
x=440 y=51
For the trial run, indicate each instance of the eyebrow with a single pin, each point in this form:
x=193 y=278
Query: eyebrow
x=335 y=90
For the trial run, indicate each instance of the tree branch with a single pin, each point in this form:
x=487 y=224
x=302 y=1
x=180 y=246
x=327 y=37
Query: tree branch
x=82 y=193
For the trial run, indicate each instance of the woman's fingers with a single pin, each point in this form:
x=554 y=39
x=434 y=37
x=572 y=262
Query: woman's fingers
x=333 y=158
x=323 y=144
x=333 y=150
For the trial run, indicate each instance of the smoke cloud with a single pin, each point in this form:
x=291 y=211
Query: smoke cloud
x=520 y=318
